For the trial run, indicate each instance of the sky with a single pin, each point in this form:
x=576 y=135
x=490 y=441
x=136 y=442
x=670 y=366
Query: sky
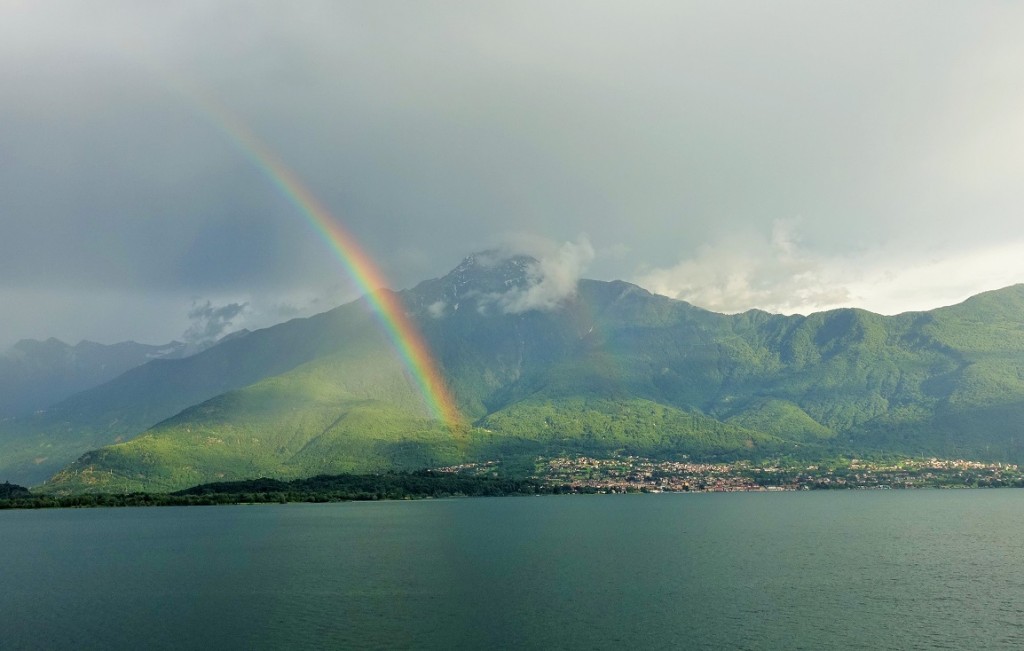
x=789 y=156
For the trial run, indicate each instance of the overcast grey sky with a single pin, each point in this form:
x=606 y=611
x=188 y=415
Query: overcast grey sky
x=791 y=156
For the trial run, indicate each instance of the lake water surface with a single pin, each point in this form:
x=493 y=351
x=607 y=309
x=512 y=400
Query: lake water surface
x=857 y=569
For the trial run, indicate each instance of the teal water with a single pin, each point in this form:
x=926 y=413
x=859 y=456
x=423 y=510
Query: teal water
x=874 y=569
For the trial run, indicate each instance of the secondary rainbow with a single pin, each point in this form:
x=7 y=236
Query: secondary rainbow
x=388 y=307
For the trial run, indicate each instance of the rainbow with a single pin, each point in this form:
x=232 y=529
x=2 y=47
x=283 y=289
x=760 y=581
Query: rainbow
x=386 y=304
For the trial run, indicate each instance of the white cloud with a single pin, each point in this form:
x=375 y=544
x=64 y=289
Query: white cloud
x=436 y=309
x=922 y=281
x=744 y=272
x=551 y=280
x=777 y=274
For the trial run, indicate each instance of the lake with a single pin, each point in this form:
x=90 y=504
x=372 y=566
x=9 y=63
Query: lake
x=854 y=569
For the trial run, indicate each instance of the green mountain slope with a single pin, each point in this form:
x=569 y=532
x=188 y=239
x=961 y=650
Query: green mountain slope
x=972 y=405
x=349 y=411
x=610 y=369
x=33 y=448
x=604 y=426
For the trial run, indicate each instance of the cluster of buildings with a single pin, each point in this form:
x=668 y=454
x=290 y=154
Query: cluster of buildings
x=630 y=474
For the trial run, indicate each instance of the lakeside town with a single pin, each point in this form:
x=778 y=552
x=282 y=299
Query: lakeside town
x=630 y=474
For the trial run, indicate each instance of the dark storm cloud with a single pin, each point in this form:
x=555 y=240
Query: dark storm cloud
x=135 y=195
x=668 y=132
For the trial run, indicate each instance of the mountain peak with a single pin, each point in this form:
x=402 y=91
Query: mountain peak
x=499 y=282
x=486 y=273
x=495 y=270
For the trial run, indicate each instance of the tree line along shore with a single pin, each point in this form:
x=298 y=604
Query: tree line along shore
x=558 y=476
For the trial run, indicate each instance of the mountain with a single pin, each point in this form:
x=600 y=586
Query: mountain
x=36 y=374
x=34 y=447
x=603 y=368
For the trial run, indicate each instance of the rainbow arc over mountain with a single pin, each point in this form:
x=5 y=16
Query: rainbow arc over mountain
x=388 y=307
